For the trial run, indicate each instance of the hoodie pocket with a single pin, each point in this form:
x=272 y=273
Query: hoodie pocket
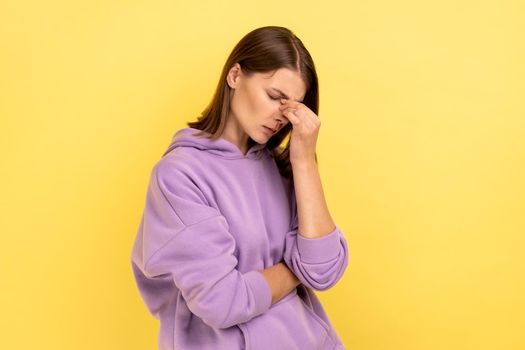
x=288 y=324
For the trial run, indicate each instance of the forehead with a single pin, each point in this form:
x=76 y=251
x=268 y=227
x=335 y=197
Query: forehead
x=285 y=80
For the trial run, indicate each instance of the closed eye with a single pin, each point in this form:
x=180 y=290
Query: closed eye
x=274 y=98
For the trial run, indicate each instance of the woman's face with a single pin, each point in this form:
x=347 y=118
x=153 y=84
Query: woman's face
x=255 y=104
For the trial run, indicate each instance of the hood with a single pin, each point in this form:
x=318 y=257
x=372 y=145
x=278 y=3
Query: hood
x=220 y=147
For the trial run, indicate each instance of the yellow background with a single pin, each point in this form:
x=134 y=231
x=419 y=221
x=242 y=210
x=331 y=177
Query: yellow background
x=421 y=151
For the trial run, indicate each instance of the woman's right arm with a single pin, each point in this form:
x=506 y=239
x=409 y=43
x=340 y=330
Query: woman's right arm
x=281 y=280
x=184 y=242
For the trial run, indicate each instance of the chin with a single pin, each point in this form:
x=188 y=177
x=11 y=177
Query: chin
x=259 y=139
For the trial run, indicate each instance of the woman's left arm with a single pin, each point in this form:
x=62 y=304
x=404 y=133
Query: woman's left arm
x=312 y=211
x=314 y=218
x=315 y=249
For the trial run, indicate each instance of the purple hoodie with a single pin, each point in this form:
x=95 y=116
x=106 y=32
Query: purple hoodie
x=213 y=220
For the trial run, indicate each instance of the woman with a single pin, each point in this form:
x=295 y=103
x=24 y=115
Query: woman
x=236 y=233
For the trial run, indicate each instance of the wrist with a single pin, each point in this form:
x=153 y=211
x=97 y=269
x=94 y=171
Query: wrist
x=304 y=163
x=292 y=278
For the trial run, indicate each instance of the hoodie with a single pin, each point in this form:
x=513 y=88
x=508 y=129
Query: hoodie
x=214 y=218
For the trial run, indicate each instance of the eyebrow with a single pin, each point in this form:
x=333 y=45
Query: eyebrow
x=283 y=94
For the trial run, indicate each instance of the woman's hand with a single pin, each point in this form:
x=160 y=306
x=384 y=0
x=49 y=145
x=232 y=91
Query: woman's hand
x=305 y=128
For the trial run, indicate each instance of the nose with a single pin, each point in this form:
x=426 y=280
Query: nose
x=280 y=118
x=280 y=122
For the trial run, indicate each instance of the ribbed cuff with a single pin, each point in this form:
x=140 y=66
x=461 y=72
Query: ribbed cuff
x=261 y=290
x=320 y=249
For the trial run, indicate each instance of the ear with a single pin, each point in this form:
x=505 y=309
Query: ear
x=233 y=77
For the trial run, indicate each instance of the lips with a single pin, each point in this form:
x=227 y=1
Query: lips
x=269 y=129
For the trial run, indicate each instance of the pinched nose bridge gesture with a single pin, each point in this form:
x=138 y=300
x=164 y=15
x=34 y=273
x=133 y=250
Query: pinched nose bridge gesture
x=305 y=129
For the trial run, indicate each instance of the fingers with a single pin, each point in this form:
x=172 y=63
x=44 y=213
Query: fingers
x=291 y=103
x=293 y=110
x=289 y=107
x=285 y=101
x=289 y=114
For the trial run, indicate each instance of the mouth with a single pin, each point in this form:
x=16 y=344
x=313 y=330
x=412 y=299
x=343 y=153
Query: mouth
x=272 y=131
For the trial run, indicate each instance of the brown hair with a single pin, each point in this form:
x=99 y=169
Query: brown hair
x=263 y=50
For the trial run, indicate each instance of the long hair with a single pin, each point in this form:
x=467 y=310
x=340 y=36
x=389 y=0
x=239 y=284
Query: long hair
x=263 y=50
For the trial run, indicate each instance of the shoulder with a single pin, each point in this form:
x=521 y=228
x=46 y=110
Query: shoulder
x=179 y=174
x=175 y=181
x=178 y=165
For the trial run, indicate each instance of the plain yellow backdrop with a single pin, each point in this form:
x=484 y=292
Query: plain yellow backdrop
x=421 y=152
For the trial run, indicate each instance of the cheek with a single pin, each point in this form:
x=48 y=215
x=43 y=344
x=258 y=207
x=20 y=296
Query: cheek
x=258 y=104
x=266 y=106
x=244 y=104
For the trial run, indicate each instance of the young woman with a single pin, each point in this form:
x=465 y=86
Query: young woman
x=236 y=234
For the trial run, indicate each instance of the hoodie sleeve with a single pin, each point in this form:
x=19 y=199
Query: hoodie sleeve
x=184 y=238
x=319 y=263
